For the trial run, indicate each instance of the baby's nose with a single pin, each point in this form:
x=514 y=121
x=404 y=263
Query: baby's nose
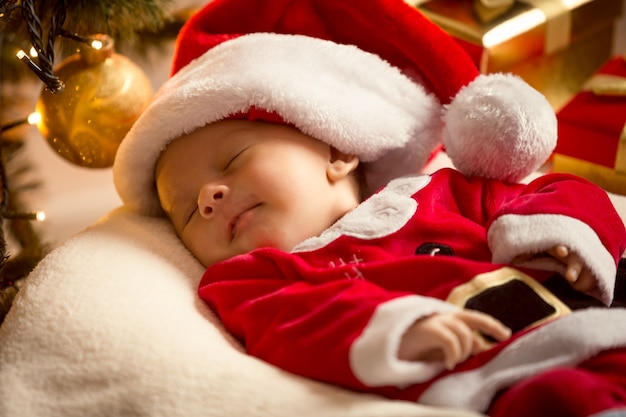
x=210 y=198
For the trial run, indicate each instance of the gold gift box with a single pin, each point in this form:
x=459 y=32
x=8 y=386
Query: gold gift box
x=611 y=180
x=554 y=45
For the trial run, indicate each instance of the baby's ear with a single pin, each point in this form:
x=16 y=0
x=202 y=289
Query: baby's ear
x=340 y=164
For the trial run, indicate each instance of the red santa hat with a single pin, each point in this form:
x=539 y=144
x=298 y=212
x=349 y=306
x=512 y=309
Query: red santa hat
x=373 y=78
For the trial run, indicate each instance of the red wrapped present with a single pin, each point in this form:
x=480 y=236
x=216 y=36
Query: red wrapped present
x=592 y=130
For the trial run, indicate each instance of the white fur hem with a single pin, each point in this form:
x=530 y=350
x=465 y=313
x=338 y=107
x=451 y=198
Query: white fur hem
x=564 y=342
x=384 y=213
x=374 y=354
x=512 y=235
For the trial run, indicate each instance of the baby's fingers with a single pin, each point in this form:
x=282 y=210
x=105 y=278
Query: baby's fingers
x=452 y=352
x=559 y=251
x=573 y=268
x=573 y=263
x=459 y=343
x=577 y=273
x=486 y=325
x=586 y=281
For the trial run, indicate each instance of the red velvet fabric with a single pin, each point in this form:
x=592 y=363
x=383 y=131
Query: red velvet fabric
x=596 y=385
x=392 y=29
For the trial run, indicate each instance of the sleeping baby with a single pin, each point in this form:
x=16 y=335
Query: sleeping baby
x=297 y=185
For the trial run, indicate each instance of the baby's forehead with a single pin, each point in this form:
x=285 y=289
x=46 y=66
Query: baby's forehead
x=211 y=143
x=202 y=147
x=204 y=138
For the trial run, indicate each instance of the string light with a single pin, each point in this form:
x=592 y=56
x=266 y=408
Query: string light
x=82 y=39
x=35 y=215
x=32 y=119
x=96 y=44
x=38 y=216
x=54 y=84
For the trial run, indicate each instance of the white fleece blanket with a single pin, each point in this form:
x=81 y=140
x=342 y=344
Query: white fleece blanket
x=109 y=324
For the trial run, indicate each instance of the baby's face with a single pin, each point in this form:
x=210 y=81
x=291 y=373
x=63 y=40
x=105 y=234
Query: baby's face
x=236 y=185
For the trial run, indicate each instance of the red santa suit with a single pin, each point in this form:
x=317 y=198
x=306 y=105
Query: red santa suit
x=336 y=307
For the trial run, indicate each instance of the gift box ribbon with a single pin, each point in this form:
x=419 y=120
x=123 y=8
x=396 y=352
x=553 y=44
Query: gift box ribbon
x=496 y=3
x=620 y=156
x=606 y=85
x=555 y=14
x=558 y=22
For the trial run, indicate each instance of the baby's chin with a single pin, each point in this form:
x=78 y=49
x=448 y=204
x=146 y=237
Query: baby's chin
x=210 y=260
x=283 y=242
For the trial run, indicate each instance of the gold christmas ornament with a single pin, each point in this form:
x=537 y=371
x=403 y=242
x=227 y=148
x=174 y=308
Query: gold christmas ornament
x=104 y=94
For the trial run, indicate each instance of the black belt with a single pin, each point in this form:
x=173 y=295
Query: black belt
x=514 y=298
x=520 y=302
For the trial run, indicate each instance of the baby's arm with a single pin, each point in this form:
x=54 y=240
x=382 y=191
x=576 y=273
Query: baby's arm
x=450 y=337
x=559 y=209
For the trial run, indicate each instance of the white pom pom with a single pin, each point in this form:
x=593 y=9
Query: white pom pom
x=499 y=127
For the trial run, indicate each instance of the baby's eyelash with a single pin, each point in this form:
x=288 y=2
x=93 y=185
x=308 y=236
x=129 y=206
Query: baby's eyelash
x=233 y=158
x=191 y=213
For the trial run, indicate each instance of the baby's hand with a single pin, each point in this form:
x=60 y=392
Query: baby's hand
x=450 y=337
x=576 y=272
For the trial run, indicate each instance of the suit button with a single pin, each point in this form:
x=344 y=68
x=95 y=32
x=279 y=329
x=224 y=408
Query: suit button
x=434 y=249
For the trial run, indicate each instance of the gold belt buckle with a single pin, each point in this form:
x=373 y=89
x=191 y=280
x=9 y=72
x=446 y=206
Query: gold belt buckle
x=516 y=299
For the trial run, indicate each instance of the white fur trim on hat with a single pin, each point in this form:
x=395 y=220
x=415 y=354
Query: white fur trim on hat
x=339 y=94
